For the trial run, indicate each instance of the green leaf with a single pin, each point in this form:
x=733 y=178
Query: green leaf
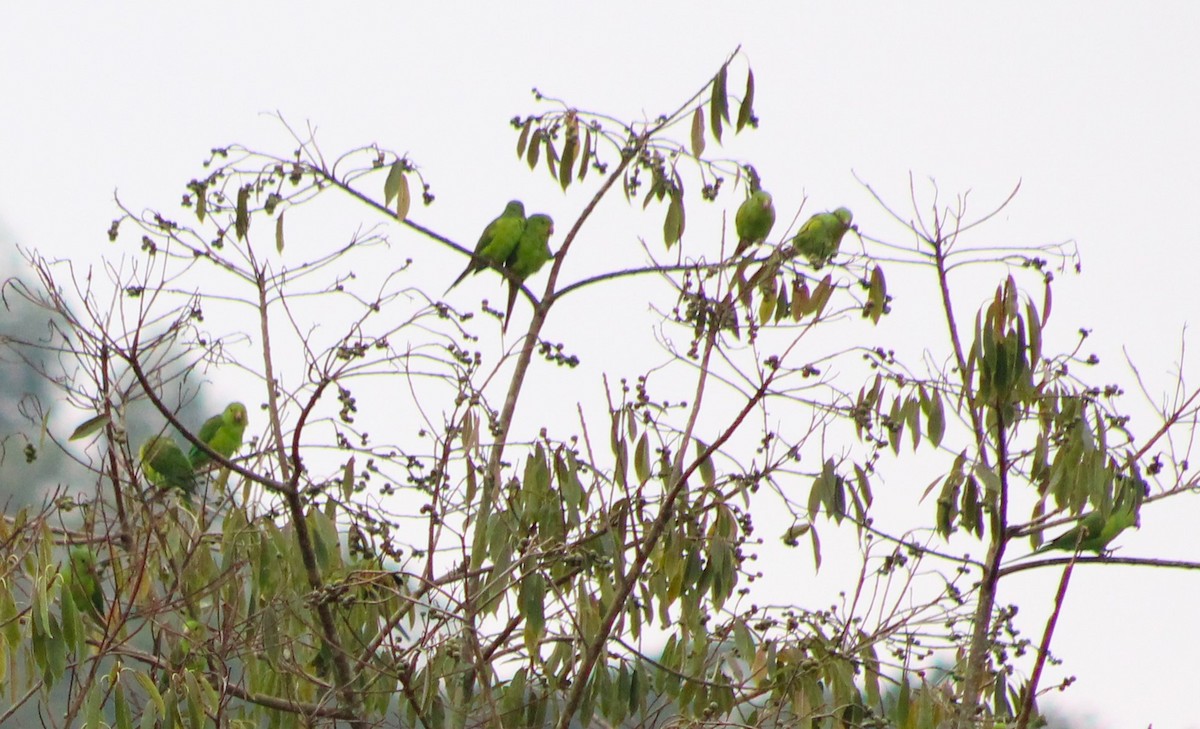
x=585 y=158
x=196 y=704
x=864 y=485
x=566 y=165
x=641 y=459
x=89 y=426
x=269 y=632
x=8 y=615
x=241 y=223
x=912 y=419
x=767 y=302
x=801 y=299
x=673 y=224
x=746 y=110
x=348 y=480
x=551 y=157
x=935 y=419
x=721 y=92
x=391 y=186
x=972 y=508
x=708 y=473
x=535 y=148
x=532 y=605
x=403 y=199
x=877 y=295
x=153 y=709
x=816 y=548
x=124 y=718
x=73 y=629
x=698 y=132
x=279 y=232
x=820 y=296
x=523 y=139
x=718 y=104
x=90 y=712
x=201 y=189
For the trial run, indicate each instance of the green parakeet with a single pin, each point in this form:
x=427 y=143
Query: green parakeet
x=499 y=240
x=165 y=465
x=754 y=220
x=1093 y=532
x=83 y=582
x=530 y=255
x=821 y=236
x=222 y=433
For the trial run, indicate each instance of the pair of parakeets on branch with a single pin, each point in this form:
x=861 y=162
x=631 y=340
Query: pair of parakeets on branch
x=818 y=239
x=166 y=466
x=513 y=243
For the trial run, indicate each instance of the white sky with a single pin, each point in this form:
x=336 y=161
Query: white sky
x=1093 y=105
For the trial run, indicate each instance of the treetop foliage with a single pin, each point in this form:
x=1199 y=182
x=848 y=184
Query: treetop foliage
x=382 y=545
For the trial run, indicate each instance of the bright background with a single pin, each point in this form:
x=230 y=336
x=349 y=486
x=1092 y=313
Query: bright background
x=1093 y=106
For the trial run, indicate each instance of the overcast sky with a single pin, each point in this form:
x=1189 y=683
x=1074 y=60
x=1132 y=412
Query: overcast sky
x=1093 y=106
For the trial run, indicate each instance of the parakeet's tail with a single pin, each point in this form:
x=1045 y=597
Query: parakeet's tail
x=513 y=288
x=461 y=276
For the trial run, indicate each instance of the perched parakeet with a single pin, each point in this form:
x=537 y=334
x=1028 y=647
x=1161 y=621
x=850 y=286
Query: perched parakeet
x=530 y=255
x=165 y=465
x=754 y=220
x=82 y=580
x=1093 y=532
x=498 y=241
x=222 y=433
x=821 y=236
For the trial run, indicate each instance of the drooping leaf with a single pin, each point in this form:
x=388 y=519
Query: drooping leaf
x=403 y=199
x=551 y=157
x=531 y=603
x=673 y=223
x=279 y=232
x=585 y=158
x=348 y=479
x=241 y=223
x=391 y=186
x=201 y=189
x=523 y=139
x=877 y=295
x=641 y=459
x=566 y=165
x=698 y=132
x=535 y=148
x=821 y=295
x=89 y=426
x=746 y=110
x=718 y=104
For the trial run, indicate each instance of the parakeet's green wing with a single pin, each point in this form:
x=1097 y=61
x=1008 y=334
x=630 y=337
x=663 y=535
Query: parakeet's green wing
x=1086 y=529
x=529 y=256
x=207 y=431
x=223 y=433
x=821 y=236
x=754 y=219
x=1093 y=533
x=165 y=464
x=498 y=241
